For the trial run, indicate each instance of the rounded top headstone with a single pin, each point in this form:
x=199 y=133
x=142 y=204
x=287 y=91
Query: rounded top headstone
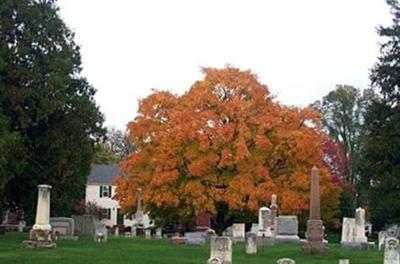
x=264 y=208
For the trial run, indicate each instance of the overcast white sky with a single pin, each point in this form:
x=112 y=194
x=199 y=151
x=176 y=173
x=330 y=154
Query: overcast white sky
x=300 y=49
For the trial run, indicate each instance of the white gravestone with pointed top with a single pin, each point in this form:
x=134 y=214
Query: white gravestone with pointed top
x=392 y=255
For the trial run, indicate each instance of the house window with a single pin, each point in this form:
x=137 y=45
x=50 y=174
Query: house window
x=105 y=191
x=106 y=213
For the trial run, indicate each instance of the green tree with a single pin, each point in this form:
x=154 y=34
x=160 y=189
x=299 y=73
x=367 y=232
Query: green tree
x=118 y=142
x=381 y=145
x=343 y=112
x=47 y=104
x=104 y=155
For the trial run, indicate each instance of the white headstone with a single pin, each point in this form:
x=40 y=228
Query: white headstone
x=286 y=261
x=251 y=243
x=344 y=261
x=158 y=233
x=147 y=233
x=360 y=226
x=43 y=209
x=21 y=225
x=133 y=231
x=221 y=250
x=392 y=255
x=254 y=228
x=116 y=231
x=238 y=232
x=348 y=230
x=214 y=261
x=264 y=218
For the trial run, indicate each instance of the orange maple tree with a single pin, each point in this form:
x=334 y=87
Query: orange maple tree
x=223 y=144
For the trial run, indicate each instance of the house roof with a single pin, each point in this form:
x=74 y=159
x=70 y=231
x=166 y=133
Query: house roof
x=103 y=174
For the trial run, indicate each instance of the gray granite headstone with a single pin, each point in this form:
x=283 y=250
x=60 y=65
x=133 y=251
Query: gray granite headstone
x=195 y=238
x=84 y=225
x=287 y=229
x=63 y=228
x=288 y=225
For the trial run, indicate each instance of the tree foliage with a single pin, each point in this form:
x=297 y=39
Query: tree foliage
x=223 y=147
x=381 y=148
x=47 y=105
x=342 y=118
x=118 y=142
x=104 y=155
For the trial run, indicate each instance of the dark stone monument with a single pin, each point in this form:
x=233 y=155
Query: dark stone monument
x=315 y=227
x=203 y=222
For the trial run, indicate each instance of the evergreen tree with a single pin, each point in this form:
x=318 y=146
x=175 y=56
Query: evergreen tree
x=47 y=105
x=381 y=148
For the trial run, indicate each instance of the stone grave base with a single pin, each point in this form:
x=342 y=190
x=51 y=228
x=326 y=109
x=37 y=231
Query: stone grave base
x=38 y=244
x=39 y=239
x=358 y=245
x=287 y=239
x=315 y=247
x=265 y=241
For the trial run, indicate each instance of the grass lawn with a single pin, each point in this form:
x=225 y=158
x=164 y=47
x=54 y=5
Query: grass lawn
x=136 y=250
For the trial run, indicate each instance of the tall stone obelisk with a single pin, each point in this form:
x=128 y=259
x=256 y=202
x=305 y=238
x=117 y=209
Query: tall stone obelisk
x=315 y=227
x=139 y=211
x=40 y=235
x=43 y=209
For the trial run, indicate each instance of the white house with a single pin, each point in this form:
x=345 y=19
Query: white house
x=100 y=189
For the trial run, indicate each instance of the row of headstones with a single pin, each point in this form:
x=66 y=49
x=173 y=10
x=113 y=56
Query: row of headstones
x=286 y=230
x=221 y=250
x=353 y=231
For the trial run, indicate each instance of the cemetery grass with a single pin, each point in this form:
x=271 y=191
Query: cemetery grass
x=137 y=251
